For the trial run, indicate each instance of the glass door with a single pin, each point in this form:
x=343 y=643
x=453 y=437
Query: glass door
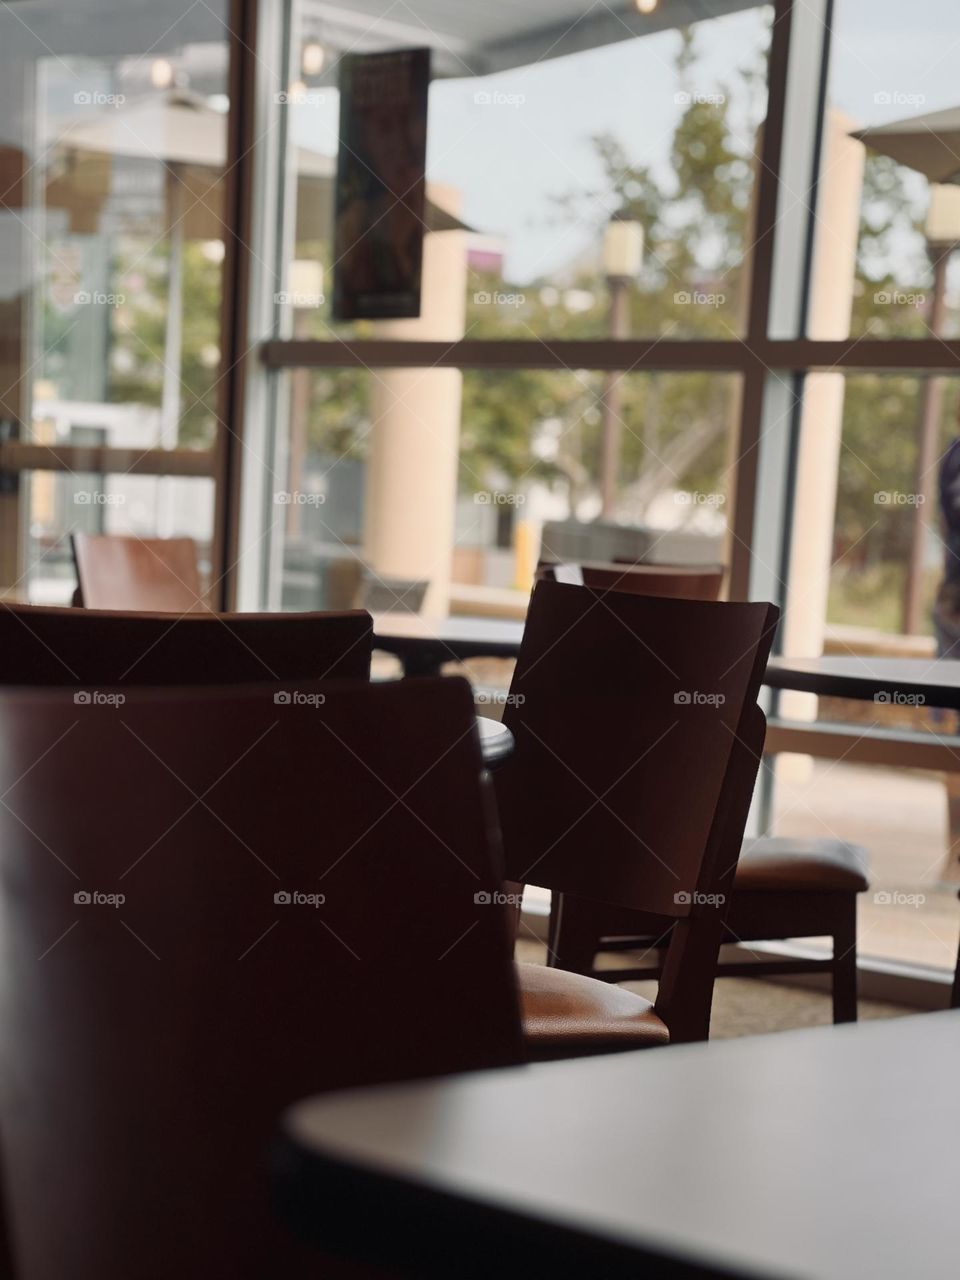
x=113 y=162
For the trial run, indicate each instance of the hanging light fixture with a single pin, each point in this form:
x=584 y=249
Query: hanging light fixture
x=161 y=73
x=646 y=6
x=312 y=58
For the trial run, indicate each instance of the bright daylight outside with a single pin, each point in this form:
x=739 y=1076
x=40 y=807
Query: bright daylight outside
x=608 y=193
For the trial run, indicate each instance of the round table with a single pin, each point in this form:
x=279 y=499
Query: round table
x=496 y=741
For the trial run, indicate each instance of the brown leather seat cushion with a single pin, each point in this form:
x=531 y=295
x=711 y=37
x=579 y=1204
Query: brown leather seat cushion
x=566 y=1015
x=820 y=866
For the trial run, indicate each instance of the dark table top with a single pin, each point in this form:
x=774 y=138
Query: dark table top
x=827 y=1154
x=932 y=682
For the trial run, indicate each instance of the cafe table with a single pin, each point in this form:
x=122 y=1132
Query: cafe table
x=823 y=1154
x=423 y=645
x=933 y=682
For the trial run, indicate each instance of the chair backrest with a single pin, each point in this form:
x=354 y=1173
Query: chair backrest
x=681 y=582
x=89 y=648
x=638 y=739
x=155 y=575
x=277 y=900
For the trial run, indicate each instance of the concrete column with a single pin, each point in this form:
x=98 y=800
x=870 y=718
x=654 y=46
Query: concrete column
x=411 y=485
x=811 y=550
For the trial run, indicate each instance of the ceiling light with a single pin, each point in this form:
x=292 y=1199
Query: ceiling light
x=161 y=73
x=646 y=6
x=313 y=57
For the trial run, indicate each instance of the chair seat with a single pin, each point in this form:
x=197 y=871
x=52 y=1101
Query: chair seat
x=818 y=866
x=566 y=1015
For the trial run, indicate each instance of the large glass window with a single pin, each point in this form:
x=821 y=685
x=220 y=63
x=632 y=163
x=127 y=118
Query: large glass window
x=112 y=168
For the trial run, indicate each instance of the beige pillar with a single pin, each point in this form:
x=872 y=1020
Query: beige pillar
x=815 y=500
x=411 y=486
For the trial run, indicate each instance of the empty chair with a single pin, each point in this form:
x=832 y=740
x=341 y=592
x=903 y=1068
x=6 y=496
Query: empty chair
x=156 y=575
x=91 y=649
x=685 y=582
x=637 y=749
x=784 y=887
x=211 y=907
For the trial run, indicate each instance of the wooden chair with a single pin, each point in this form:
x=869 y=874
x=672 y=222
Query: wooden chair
x=637 y=748
x=683 y=582
x=148 y=1045
x=784 y=887
x=156 y=575
x=92 y=649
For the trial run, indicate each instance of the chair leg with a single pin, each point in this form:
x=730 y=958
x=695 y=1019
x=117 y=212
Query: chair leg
x=845 y=965
x=955 y=993
x=573 y=940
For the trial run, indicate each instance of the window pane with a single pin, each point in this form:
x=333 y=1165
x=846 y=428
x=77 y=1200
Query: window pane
x=111 y=252
x=535 y=160
x=889 y=63
x=868 y=577
x=379 y=503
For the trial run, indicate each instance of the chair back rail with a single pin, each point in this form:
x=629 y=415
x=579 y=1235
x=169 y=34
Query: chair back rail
x=91 y=648
x=157 y=575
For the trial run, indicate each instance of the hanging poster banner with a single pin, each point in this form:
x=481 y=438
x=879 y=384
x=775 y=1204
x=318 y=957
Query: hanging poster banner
x=380 y=198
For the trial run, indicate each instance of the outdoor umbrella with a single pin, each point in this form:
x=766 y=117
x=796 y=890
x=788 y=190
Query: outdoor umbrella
x=929 y=143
